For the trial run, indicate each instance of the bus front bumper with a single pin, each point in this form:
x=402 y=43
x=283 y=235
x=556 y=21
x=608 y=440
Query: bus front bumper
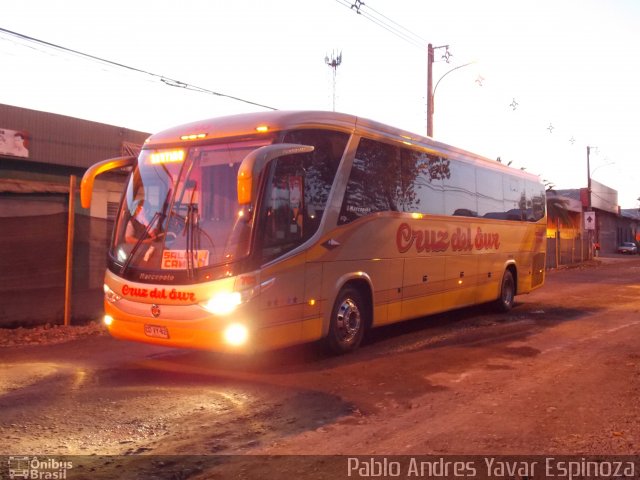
x=178 y=327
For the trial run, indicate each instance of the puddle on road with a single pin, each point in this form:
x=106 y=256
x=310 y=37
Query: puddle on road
x=18 y=376
x=148 y=408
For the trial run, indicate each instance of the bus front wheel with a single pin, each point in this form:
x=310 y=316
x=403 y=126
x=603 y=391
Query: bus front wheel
x=507 y=292
x=347 y=321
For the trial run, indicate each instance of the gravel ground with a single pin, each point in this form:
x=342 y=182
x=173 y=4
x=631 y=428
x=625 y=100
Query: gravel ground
x=49 y=334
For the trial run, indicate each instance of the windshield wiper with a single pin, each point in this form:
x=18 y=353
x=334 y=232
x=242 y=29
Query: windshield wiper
x=193 y=241
x=193 y=224
x=158 y=217
x=138 y=244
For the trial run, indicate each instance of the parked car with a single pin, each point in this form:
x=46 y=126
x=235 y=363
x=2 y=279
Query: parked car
x=628 y=247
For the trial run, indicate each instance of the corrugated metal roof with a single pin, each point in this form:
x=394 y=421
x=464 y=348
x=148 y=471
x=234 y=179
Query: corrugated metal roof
x=632 y=213
x=61 y=140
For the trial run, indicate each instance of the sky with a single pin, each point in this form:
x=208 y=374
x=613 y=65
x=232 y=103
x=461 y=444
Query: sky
x=532 y=82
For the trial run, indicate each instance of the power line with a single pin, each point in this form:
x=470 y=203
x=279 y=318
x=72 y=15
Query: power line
x=166 y=80
x=382 y=21
x=361 y=8
x=42 y=50
x=418 y=37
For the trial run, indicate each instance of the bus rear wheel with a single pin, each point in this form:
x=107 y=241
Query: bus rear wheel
x=507 y=292
x=348 y=321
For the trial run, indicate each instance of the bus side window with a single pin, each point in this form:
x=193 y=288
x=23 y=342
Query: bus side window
x=460 y=190
x=422 y=176
x=515 y=198
x=537 y=198
x=490 y=195
x=375 y=183
x=320 y=167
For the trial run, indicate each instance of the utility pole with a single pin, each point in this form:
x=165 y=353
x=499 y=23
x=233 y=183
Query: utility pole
x=334 y=62
x=593 y=233
x=430 y=90
x=69 y=259
x=588 y=179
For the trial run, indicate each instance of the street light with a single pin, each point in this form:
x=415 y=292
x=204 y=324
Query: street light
x=588 y=179
x=600 y=166
x=433 y=95
x=590 y=174
x=589 y=202
x=431 y=90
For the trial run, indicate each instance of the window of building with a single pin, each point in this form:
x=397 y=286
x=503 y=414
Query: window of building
x=112 y=210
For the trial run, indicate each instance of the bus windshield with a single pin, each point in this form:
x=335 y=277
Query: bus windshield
x=180 y=210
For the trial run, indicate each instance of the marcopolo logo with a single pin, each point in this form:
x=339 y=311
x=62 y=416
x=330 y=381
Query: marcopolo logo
x=41 y=468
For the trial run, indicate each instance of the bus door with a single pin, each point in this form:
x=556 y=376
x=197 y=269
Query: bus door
x=461 y=268
x=281 y=228
x=293 y=181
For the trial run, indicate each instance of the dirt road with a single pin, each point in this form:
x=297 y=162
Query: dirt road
x=559 y=374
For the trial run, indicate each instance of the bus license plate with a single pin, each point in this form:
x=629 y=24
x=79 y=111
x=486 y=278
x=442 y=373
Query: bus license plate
x=156 y=331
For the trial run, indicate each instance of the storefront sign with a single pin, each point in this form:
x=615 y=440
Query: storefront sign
x=14 y=143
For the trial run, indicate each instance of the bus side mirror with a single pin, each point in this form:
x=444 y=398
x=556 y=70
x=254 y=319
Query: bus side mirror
x=86 y=185
x=254 y=163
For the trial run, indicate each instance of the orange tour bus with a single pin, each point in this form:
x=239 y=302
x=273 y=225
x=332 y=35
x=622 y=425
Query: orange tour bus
x=260 y=231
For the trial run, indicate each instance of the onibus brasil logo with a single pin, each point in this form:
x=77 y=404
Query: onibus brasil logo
x=41 y=468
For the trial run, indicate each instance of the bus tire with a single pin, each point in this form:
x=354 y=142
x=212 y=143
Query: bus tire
x=348 y=321
x=507 y=292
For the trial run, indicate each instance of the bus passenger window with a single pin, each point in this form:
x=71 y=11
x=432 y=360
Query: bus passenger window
x=490 y=196
x=374 y=183
x=515 y=198
x=422 y=175
x=536 y=198
x=320 y=167
x=460 y=190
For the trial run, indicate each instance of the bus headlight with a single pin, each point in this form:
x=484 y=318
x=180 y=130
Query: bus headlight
x=223 y=303
x=108 y=320
x=236 y=334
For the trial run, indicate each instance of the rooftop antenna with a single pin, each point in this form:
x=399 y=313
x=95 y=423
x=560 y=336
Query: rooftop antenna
x=334 y=62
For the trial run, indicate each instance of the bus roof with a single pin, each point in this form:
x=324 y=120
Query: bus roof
x=247 y=124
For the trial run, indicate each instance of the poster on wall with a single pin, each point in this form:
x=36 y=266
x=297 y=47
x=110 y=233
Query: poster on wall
x=14 y=142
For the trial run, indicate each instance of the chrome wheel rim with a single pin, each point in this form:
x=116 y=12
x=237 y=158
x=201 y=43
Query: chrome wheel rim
x=508 y=293
x=349 y=321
